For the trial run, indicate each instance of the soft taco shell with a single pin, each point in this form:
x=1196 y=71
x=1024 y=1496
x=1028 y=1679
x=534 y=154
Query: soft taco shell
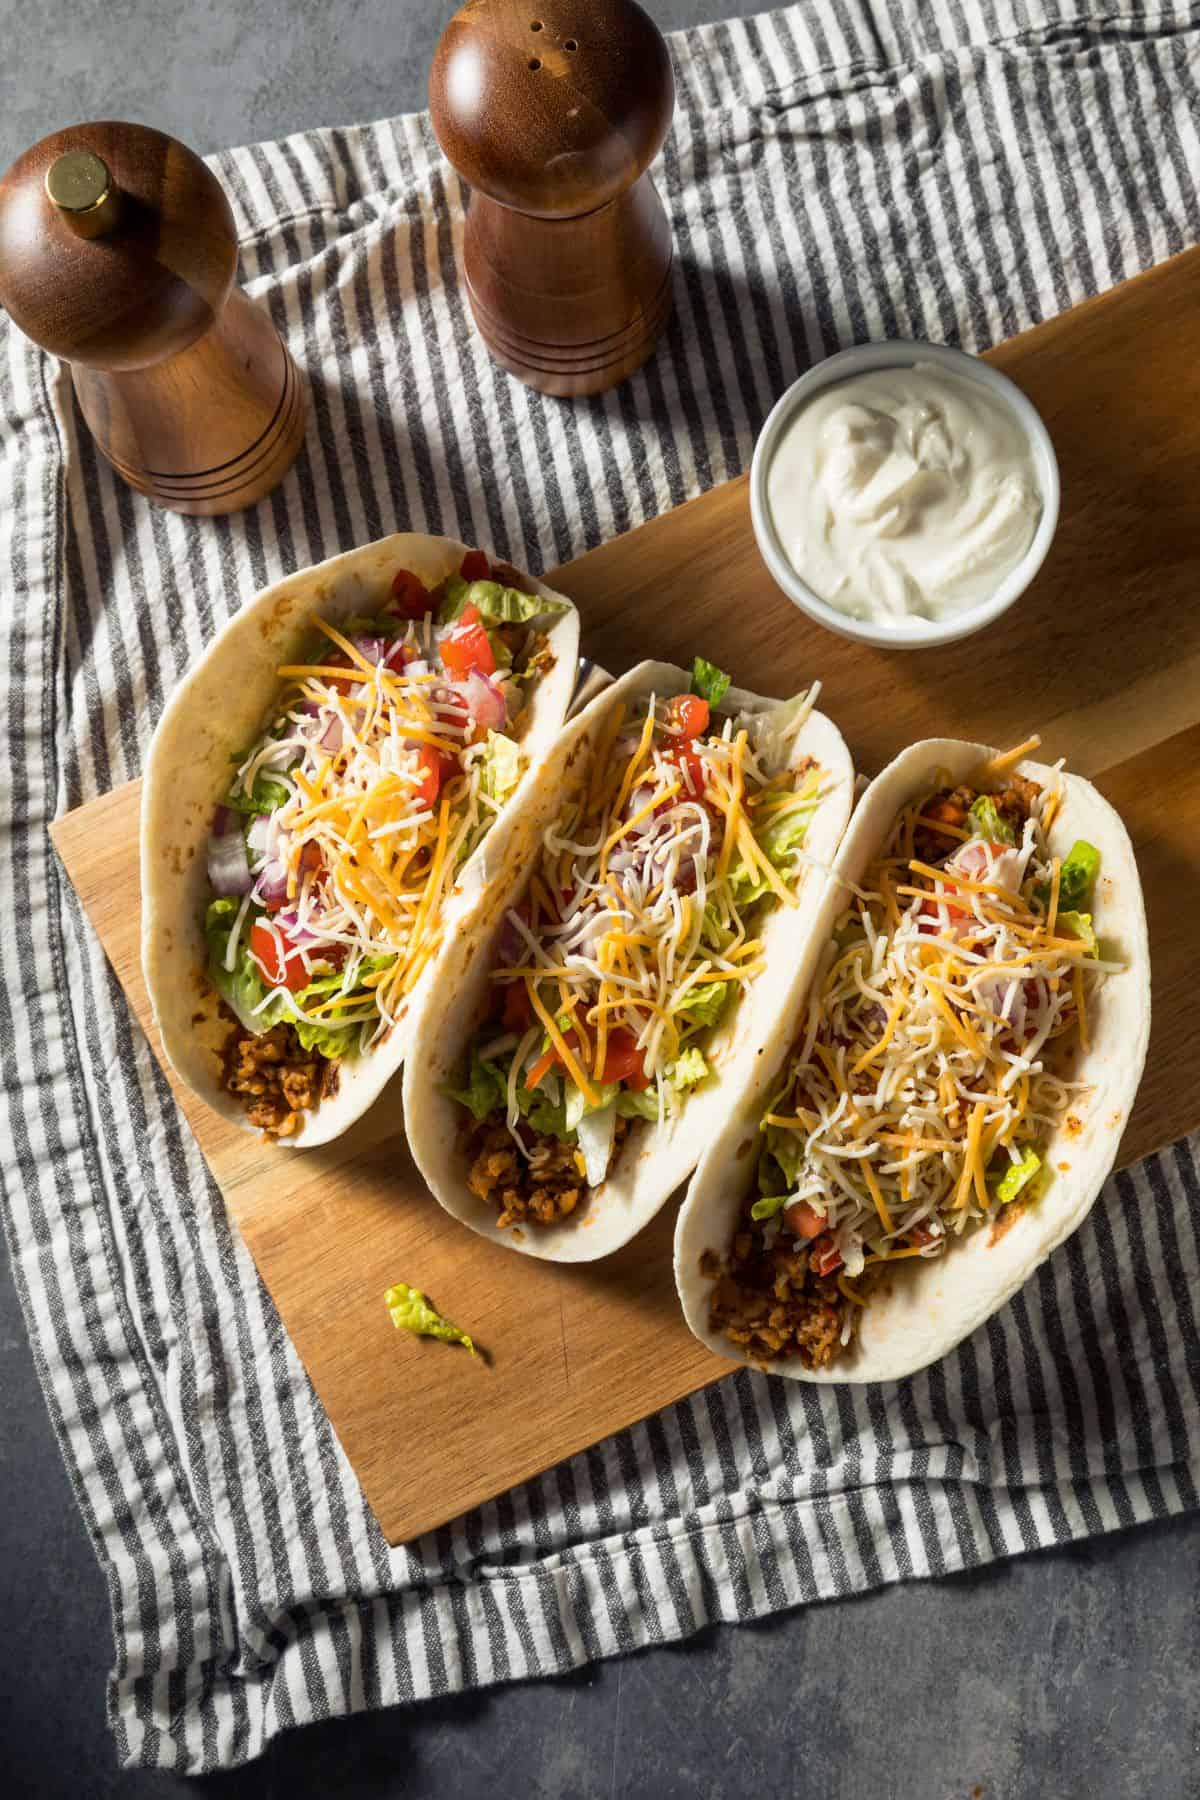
x=223 y=704
x=925 y=1308
x=648 y=1168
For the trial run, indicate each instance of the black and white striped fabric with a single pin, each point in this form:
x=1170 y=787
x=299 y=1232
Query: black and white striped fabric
x=838 y=170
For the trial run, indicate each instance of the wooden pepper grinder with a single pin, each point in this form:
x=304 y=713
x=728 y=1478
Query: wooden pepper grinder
x=118 y=252
x=551 y=111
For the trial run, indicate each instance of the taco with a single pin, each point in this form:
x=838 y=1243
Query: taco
x=323 y=793
x=948 y=1090
x=579 y=1042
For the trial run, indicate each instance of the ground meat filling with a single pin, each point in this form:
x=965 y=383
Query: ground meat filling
x=543 y=1187
x=276 y=1079
x=952 y=805
x=764 y=1299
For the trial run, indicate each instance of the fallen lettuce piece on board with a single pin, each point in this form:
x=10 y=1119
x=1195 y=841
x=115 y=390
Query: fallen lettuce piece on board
x=960 y=1044
x=328 y=790
x=411 y=1311
x=577 y=1050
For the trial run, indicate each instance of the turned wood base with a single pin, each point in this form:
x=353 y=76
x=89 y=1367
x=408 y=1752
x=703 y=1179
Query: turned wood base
x=208 y=431
x=570 y=306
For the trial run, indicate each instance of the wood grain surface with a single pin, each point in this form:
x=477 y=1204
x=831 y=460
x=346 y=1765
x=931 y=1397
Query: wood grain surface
x=1102 y=657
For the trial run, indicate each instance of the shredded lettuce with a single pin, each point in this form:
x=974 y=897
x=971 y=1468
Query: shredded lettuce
x=1079 y=925
x=497 y=604
x=1077 y=876
x=634 y=1104
x=499 y=767
x=1017 y=1175
x=547 y=1115
x=577 y=1107
x=411 y=1311
x=988 y=823
x=242 y=988
x=705 y=1004
x=265 y=796
x=769 y=1205
x=484 y=1088
x=687 y=1070
x=711 y=683
x=782 y=1153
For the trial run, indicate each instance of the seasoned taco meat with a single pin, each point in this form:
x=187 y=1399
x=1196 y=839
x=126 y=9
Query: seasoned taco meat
x=545 y=1190
x=765 y=1299
x=1014 y=803
x=276 y=1078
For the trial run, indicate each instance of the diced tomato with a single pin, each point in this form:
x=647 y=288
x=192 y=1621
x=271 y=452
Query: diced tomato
x=688 y=715
x=803 y=1220
x=930 y=915
x=919 y=1236
x=410 y=597
x=518 y=1013
x=469 y=615
x=824 y=1257
x=337 y=659
x=623 y=1061
x=550 y=1057
x=475 y=566
x=309 y=860
x=691 y=767
x=399 y=654
x=468 y=648
x=281 y=968
x=541 y=1068
x=436 y=768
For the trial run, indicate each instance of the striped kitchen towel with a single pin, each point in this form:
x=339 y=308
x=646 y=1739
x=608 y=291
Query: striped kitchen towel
x=838 y=170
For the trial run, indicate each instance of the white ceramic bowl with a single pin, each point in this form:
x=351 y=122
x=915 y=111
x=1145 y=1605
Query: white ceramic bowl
x=910 y=633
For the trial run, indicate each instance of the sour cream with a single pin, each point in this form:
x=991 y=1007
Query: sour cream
x=904 y=493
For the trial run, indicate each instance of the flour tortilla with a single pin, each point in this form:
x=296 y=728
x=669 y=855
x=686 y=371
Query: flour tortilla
x=222 y=706
x=925 y=1308
x=648 y=1167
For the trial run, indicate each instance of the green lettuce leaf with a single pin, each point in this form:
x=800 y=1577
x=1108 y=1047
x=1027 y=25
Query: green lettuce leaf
x=785 y=1151
x=706 y=1003
x=1078 y=875
x=497 y=604
x=1079 y=925
x=711 y=683
x=988 y=823
x=264 y=797
x=769 y=1205
x=483 y=1091
x=687 y=1070
x=1017 y=1175
x=633 y=1104
x=499 y=767
x=242 y=988
x=546 y=1112
x=411 y=1311
x=577 y=1105
x=1076 y=878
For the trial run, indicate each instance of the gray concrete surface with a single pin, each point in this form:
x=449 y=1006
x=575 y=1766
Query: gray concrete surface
x=1057 y=1677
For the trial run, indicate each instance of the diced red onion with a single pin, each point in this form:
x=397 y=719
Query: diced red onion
x=485 y=701
x=289 y=923
x=374 y=649
x=621 y=861
x=417 y=667
x=331 y=737
x=271 y=886
x=262 y=833
x=510 y=946
x=228 y=868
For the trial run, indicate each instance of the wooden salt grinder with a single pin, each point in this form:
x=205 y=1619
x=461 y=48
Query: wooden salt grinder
x=551 y=111
x=118 y=252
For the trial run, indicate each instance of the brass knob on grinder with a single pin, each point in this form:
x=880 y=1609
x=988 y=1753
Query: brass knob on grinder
x=118 y=253
x=552 y=111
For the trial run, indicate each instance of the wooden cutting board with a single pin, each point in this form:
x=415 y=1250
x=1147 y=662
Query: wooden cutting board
x=1102 y=657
